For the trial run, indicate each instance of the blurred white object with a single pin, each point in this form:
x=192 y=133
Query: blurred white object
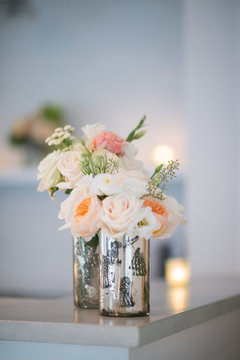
x=11 y=157
x=162 y=154
x=177 y=272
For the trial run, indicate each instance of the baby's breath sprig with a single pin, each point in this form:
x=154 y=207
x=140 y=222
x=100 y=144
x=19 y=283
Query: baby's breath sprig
x=162 y=174
x=61 y=138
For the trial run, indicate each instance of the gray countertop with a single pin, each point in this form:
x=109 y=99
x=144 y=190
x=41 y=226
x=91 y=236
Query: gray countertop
x=172 y=310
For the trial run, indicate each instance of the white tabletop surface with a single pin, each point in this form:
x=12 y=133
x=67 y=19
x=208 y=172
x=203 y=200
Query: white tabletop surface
x=172 y=310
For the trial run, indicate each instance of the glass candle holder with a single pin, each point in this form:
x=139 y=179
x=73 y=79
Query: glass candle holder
x=86 y=272
x=124 y=276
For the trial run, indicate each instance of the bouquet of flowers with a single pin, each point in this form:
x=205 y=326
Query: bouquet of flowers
x=107 y=187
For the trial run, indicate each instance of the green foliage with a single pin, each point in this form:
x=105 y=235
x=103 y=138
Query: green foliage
x=18 y=140
x=52 y=113
x=162 y=174
x=93 y=243
x=52 y=192
x=96 y=164
x=68 y=191
x=135 y=134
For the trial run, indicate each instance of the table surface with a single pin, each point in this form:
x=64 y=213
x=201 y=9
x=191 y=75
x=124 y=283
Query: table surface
x=172 y=310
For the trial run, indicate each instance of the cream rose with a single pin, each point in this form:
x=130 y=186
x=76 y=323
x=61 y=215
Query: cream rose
x=48 y=172
x=68 y=165
x=132 y=181
x=118 y=213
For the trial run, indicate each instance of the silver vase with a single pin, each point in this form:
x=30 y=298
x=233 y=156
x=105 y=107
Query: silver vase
x=86 y=272
x=124 y=276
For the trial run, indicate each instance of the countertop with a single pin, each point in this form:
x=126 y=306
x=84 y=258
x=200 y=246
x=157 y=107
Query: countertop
x=56 y=320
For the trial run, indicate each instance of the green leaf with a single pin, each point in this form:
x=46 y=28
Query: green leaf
x=68 y=191
x=53 y=113
x=52 y=191
x=133 y=135
x=94 y=242
x=139 y=134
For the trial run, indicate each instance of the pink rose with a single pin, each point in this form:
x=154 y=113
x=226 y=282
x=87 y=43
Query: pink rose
x=110 y=141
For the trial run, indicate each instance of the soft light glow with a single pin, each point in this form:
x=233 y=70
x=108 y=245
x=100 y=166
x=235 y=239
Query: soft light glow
x=162 y=154
x=178 y=298
x=177 y=272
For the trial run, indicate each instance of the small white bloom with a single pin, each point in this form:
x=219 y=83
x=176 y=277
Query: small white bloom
x=91 y=131
x=51 y=142
x=130 y=149
x=143 y=224
x=59 y=134
x=48 y=139
x=58 y=129
x=66 y=135
x=68 y=127
x=105 y=184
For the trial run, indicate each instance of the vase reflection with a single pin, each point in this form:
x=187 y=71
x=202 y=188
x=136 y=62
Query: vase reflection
x=177 y=298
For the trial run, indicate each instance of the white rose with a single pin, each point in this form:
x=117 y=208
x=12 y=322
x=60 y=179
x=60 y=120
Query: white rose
x=105 y=184
x=68 y=165
x=48 y=172
x=132 y=181
x=118 y=213
x=131 y=164
x=143 y=224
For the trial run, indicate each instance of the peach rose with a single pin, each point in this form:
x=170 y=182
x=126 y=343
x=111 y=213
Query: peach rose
x=168 y=212
x=118 y=213
x=110 y=141
x=82 y=214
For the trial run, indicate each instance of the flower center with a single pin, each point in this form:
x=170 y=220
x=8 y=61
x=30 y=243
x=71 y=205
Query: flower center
x=82 y=208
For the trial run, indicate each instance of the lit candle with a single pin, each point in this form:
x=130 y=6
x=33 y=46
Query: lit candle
x=177 y=272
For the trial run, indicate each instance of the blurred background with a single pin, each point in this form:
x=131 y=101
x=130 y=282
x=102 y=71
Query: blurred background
x=109 y=61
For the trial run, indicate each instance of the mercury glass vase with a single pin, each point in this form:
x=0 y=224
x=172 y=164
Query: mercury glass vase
x=124 y=276
x=86 y=272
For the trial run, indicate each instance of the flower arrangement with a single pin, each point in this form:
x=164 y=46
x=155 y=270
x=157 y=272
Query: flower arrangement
x=107 y=187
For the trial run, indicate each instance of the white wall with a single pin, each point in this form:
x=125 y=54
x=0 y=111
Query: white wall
x=211 y=112
x=105 y=61
x=237 y=39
